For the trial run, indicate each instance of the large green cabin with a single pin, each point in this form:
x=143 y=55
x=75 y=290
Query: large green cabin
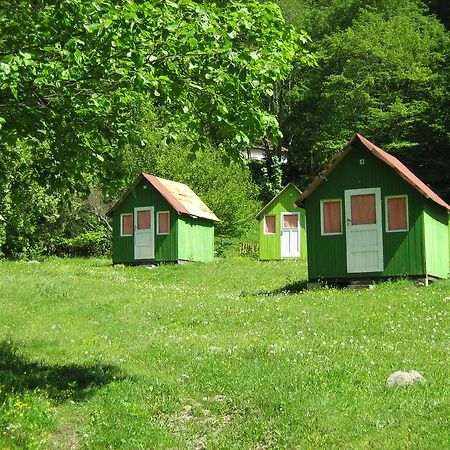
x=282 y=227
x=368 y=216
x=158 y=220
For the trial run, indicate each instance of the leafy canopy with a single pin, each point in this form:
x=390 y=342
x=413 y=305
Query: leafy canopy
x=383 y=71
x=73 y=73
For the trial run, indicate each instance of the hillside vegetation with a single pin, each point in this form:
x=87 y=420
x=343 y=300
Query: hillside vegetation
x=93 y=93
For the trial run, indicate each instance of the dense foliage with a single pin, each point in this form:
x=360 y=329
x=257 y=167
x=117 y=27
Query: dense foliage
x=73 y=73
x=223 y=183
x=94 y=92
x=76 y=76
x=382 y=71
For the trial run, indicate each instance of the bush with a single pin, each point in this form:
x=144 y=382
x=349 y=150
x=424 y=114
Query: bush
x=91 y=243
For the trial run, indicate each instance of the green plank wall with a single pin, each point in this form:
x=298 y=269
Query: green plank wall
x=195 y=239
x=436 y=240
x=166 y=247
x=270 y=244
x=403 y=252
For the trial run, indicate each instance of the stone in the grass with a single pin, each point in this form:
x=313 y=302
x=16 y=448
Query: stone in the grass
x=404 y=378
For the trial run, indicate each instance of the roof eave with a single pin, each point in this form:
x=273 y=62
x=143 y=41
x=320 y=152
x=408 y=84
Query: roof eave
x=124 y=195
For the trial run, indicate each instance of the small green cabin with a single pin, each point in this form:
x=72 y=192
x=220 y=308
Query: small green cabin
x=368 y=216
x=282 y=227
x=158 y=220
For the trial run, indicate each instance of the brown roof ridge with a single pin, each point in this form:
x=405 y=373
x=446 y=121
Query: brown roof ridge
x=155 y=181
x=384 y=156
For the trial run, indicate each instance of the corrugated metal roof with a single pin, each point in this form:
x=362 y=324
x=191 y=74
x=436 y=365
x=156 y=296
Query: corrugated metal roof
x=389 y=159
x=181 y=197
x=178 y=195
x=258 y=216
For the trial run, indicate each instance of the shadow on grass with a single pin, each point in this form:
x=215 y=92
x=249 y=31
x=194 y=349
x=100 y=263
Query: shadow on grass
x=290 y=288
x=60 y=382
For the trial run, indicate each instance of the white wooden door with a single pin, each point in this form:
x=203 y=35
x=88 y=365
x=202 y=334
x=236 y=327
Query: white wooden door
x=290 y=235
x=144 y=233
x=364 y=232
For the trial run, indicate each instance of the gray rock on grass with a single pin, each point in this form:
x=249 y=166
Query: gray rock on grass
x=402 y=378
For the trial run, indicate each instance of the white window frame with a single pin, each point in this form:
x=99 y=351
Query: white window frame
x=264 y=224
x=386 y=213
x=157 y=223
x=322 y=229
x=122 y=234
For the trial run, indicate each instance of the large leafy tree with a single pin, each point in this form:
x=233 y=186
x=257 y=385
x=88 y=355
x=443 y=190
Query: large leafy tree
x=76 y=74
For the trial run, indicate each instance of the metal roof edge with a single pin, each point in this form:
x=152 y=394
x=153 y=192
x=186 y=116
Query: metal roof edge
x=323 y=174
x=404 y=172
x=384 y=156
x=154 y=181
x=176 y=204
x=124 y=194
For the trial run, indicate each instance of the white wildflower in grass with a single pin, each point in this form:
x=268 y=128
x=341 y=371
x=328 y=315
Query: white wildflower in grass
x=300 y=375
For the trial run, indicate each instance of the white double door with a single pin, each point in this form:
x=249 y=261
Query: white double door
x=364 y=233
x=144 y=233
x=290 y=235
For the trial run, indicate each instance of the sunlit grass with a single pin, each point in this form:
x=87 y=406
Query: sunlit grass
x=231 y=354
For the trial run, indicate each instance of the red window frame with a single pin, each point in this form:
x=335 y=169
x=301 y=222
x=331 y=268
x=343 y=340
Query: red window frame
x=158 y=222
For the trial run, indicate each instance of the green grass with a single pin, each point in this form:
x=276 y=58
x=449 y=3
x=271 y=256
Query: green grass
x=227 y=355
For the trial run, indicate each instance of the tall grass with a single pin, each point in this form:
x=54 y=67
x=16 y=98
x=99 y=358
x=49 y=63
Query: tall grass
x=227 y=355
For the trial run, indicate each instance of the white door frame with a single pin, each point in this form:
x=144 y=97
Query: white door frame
x=352 y=230
x=147 y=235
x=288 y=230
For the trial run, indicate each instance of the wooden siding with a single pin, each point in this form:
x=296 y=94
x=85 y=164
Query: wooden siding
x=403 y=252
x=270 y=244
x=436 y=240
x=166 y=248
x=195 y=239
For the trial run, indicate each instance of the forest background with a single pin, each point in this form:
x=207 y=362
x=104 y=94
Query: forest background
x=92 y=93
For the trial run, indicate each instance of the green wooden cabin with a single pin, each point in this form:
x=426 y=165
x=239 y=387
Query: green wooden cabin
x=368 y=216
x=158 y=220
x=282 y=227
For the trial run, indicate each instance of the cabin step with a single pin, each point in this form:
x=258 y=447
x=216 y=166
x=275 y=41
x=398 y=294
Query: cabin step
x=361 y=284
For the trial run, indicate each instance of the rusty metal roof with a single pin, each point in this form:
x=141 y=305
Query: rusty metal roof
x=178 y=195
x=258 y=216
x=392 y=161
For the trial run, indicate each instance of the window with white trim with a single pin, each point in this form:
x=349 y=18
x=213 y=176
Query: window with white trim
x=163 y=222
x=331 y=217
x=269 y=225
x=126 y=224
x=397 y=213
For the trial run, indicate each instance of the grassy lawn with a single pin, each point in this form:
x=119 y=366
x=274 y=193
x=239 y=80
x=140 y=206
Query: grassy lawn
x=227 y=355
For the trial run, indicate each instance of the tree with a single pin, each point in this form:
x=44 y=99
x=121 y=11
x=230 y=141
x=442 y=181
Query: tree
x=223 y=183
x=75 y=73
x=383 y=71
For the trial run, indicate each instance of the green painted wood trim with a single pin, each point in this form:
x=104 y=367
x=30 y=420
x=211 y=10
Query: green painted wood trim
x=196 y=239
x=436 y=241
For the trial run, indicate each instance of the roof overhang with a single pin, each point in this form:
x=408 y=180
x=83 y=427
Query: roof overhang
x=202 y=211
x=387 y=158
